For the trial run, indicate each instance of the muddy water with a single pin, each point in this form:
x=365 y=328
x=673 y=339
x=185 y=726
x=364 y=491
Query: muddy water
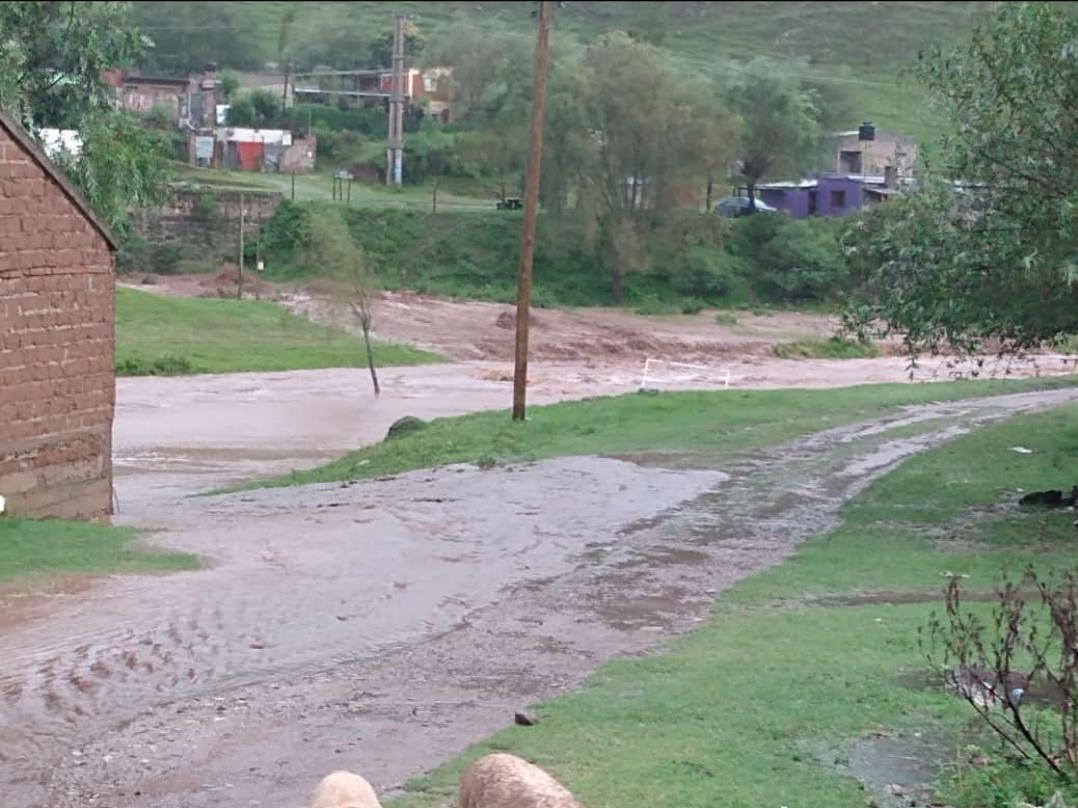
x=383 y=626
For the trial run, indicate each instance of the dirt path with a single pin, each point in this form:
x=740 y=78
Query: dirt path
x=409 y=616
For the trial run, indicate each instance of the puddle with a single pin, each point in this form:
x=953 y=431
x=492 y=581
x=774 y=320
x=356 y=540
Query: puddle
x=899 y=769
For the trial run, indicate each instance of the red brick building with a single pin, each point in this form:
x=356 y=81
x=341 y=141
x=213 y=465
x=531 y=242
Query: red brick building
x=57 y=381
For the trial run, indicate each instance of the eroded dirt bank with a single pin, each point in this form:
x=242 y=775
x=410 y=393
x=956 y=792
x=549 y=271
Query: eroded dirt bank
x=383 y=626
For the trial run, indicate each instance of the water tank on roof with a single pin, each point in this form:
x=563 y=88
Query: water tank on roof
x=866 y=131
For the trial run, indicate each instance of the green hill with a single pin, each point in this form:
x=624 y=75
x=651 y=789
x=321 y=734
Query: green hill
x=860 y=47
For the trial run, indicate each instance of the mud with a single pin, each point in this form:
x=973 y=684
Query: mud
x=383 y=626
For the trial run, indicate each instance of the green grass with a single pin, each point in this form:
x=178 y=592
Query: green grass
x=708 y=423
x=833 y=348
x=318 y=187
x=33 y=550
x=167 y=335
x=756 y=707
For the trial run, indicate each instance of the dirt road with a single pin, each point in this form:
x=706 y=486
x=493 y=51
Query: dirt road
x=383 y=626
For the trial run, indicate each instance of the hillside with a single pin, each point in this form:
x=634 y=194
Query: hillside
x=860 y=47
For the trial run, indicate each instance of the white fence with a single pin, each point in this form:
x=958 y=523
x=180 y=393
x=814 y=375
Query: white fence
x=683 y=372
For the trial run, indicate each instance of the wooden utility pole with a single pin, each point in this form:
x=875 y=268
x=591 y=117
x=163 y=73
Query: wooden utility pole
x=395 y=141
x=531 y=210
x=239 y=282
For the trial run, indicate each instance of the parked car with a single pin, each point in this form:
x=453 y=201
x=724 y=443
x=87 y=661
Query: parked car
x=733 y=206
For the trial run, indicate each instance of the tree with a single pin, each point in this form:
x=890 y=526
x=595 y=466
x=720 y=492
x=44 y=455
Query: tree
x=189 y=34
x=53 y=54
x=414 y=43
x=51 y=61
x=646 y=132
x=779 y=125
x=491 y=72
x=331 y=247
x=986 y=250
x=228 y=84
x=258 y=108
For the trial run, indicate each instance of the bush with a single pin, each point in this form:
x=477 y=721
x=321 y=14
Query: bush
x=338 y=148
x=705 y=272
x=164 y=259
x=325 y=118
x=791 y=260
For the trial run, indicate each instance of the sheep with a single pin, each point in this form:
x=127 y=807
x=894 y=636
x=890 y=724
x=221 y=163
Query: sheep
x=506 y=781
x=344 y=790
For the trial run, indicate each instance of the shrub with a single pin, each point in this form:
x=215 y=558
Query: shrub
x=164 y=259
x=793 y=261
x=704 y=272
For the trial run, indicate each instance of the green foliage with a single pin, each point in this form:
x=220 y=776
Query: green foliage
x=992 y=257
x=382 y=46
x=792 y=260
x=227 y=84
x=258 y=108
x=205 y=208
x=164 y=259
x=780 y=124
x=706 y=272
x=33 y=550
x=159 y=116
x=833 y=348
x=122 y=169
x=52 y=56
x=684 y=260
x=325 y=118
x=338 y=148
x=189 y=34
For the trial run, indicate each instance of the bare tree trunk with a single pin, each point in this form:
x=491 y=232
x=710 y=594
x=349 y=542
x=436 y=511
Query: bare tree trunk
x=370 y=356
x=710 y=188
x=434 y=199
x=752 y=196
x=616 y=291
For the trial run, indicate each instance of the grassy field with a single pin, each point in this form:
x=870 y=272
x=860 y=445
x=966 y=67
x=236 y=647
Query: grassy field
x=769 y=703
x=833 y=348
x=319 y=188
x=158 y=335
x=711 y=423
x=31 y=550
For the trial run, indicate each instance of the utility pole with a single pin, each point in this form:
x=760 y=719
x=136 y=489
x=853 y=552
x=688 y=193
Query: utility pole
x=395 y=142
x=239 y=282
x=531 y=210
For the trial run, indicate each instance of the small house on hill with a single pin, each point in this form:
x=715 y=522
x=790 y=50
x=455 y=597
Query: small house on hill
x=57 y=381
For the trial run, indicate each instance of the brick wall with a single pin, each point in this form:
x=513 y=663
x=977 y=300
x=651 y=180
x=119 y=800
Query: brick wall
x=57 y=386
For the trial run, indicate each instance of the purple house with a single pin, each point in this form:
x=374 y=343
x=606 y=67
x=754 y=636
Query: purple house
x=829 y=195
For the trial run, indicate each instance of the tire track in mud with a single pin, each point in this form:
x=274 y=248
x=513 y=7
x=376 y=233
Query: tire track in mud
x=394 y=706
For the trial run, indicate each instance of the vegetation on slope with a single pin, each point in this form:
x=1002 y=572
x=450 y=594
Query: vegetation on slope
x=158 y=335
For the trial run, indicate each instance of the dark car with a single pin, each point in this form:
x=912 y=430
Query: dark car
x=733 y=206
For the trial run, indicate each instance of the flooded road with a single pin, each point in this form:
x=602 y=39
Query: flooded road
x=383 y=626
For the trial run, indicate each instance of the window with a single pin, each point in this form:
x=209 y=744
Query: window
x=430 y=84
x=838 y=199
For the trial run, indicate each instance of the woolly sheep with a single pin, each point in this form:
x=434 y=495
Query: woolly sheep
x=344 y=790
x=506 y=781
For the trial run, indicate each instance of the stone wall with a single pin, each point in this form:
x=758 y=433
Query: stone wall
x=207 y=222
x=57 y=384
